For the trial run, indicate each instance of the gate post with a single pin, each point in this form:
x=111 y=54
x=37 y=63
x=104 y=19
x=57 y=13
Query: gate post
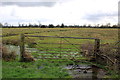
x=96 y=49
x=22 y=47
x=95 y=59
x=94 y=72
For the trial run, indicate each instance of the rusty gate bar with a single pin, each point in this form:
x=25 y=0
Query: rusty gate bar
x=58 y=37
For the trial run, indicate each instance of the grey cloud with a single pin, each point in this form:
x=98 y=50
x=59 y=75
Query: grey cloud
x=32 y=3
x=99 y=16
x=29 y=4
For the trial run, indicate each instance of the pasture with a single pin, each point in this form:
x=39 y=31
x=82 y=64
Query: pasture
x=106 y=35
x=55 y=47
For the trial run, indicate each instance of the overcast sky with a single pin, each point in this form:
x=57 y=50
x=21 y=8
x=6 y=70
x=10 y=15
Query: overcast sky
x=55 y=12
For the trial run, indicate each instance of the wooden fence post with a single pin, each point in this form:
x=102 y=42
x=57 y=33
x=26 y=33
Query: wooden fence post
x=95 y=59
x=22 y=47
x=96 y=49
x=94 y=72
x=115 y=66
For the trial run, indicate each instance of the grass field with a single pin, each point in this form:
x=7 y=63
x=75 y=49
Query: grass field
x=106 y=35
x=38 y=69
x=16 y=69
x=109 y=35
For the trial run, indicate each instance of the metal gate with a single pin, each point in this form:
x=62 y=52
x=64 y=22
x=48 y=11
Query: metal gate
x=55 y=47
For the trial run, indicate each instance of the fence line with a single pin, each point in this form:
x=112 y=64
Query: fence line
x=58 y=37
x=61 y=43
x=96 y=49
x=96 y=46
x=95 y=58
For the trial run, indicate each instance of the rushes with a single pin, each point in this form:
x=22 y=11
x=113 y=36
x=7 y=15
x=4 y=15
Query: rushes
x=27 y=57
x=8 y=56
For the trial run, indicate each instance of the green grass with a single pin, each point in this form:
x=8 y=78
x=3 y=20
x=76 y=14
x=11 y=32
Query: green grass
x=105 y=35
x=46 y=69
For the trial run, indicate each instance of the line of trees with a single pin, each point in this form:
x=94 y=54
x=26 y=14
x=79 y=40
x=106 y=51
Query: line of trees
x=57 y=26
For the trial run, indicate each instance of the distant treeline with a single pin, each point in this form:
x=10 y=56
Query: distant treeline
x=58 y=26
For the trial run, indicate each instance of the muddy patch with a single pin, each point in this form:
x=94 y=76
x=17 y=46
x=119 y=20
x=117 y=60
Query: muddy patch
x=84 y=71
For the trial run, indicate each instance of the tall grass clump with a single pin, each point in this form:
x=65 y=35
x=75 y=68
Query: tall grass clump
x=27 y=57
x=7 y=55
x=105 y=49
x=108 y=49
x=87 y=49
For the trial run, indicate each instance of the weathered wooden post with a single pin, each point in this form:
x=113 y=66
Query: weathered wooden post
x=95 y=59
x=96 y=49
x=94 y=72
x=22 y=47
x=115 y=65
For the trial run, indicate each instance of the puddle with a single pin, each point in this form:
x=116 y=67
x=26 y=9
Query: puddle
x=17 y=49
x=31 y=50
x=13 y=48
x=83 y=71
x=79 y=71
